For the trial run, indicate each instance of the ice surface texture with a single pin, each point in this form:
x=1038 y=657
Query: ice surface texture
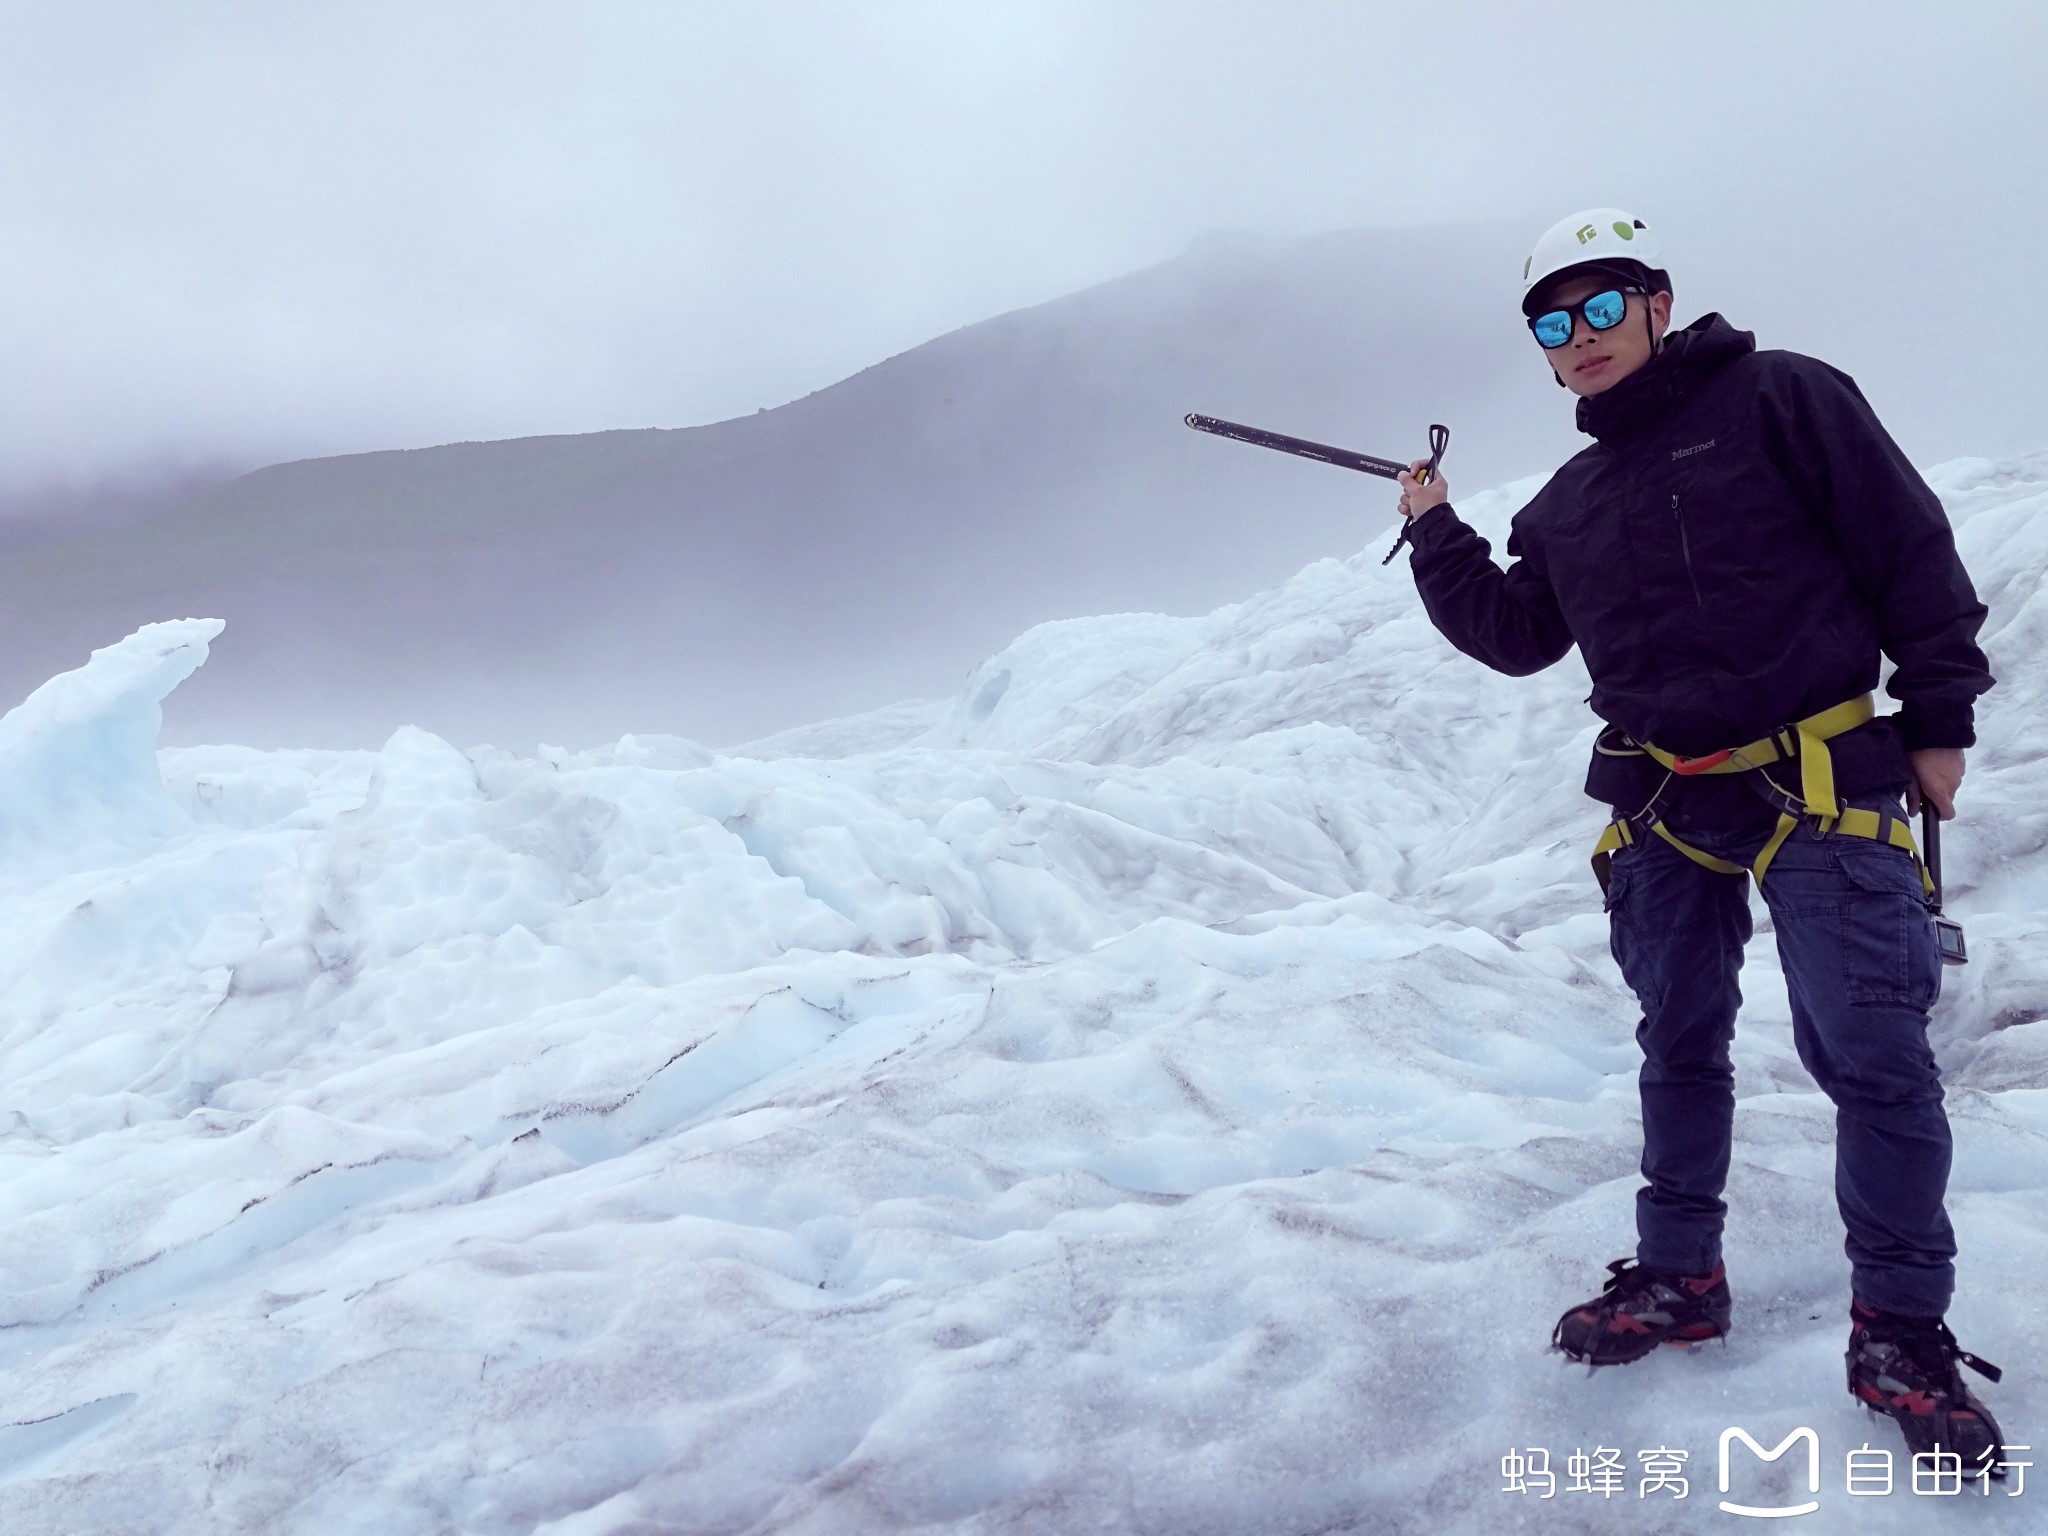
x=1171 y=1086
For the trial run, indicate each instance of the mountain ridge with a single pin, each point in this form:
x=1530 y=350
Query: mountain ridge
x=865 y=542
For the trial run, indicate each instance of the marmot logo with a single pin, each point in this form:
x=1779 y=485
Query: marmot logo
x=1686 y=453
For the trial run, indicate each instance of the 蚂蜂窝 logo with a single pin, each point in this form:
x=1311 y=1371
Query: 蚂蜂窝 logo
x=1734 y=1432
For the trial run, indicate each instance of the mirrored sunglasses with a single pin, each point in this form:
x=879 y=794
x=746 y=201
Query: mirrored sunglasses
x=1603 y=311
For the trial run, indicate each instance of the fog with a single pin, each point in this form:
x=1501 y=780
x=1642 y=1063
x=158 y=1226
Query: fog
x=234 y=233
x=867 y=543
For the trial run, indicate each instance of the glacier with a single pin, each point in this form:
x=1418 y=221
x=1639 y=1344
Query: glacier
x=1171 y=1085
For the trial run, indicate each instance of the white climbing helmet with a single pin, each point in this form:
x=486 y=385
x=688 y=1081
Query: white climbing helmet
x=1597 y=237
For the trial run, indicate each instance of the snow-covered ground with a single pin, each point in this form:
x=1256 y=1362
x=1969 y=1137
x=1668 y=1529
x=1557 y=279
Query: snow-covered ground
x=1171 y=1086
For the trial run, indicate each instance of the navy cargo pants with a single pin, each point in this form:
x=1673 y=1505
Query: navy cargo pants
x=1862 y=969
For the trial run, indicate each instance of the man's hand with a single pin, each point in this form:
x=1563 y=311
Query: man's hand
x=1937 y=771
x=1418 y=499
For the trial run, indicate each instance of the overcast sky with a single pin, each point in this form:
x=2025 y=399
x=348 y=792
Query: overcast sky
x=248 y=231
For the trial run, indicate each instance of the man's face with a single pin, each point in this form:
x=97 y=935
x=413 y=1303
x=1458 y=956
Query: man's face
x=1593 y=361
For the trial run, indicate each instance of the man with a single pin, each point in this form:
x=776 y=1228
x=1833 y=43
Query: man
x=1730 y=557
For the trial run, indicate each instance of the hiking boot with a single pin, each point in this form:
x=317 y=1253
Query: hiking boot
x=1640 y=1309
x=1911 y=1369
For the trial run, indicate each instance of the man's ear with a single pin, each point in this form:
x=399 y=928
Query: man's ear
x=1660 y=314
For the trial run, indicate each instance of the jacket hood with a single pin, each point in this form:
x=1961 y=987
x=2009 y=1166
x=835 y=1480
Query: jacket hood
x=1680 y=365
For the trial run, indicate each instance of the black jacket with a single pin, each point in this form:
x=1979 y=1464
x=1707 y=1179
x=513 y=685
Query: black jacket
x=1730 y=555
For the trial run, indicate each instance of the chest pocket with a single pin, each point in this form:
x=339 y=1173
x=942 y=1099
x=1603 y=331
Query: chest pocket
x=1739 y=538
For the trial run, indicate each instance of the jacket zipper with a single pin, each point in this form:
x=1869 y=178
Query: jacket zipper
x=1685 y=549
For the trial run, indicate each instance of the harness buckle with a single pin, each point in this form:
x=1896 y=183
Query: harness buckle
x=1692 y=765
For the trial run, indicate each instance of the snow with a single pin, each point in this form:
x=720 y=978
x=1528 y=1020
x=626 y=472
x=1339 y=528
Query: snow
x=1171 y=1086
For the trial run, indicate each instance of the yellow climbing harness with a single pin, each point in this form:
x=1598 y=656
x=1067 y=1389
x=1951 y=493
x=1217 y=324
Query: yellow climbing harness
x=1806 y=740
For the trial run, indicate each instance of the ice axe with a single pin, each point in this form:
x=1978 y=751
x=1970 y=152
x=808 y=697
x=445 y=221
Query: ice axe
x=1323 y=453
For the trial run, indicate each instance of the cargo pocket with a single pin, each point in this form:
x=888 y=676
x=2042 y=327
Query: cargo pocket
x=1890 y=955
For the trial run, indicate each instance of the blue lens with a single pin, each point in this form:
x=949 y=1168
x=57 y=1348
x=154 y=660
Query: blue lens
x=1553 y=329
x=1604 y=310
